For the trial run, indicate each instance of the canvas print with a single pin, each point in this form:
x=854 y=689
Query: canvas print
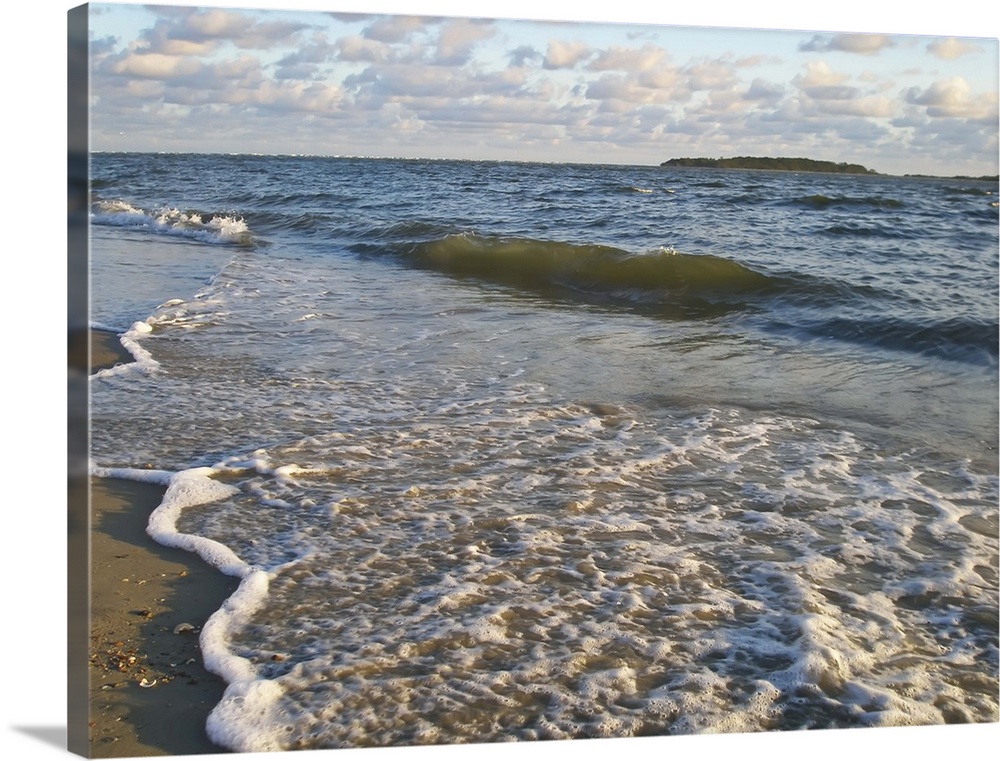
x=454 y=380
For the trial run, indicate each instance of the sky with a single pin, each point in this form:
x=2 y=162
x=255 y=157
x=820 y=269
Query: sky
x=464 y=84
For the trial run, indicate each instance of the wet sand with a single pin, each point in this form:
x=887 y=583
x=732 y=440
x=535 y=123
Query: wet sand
x=105 y=351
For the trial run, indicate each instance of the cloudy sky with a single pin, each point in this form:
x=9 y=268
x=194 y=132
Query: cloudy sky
x=219 y=79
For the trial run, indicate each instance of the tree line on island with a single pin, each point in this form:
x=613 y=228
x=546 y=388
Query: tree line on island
x=783 y=164
x=801 y=165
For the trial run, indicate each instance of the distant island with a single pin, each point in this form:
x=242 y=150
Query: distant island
x=780 y=164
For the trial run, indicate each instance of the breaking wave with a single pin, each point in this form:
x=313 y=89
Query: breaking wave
x=205 y=227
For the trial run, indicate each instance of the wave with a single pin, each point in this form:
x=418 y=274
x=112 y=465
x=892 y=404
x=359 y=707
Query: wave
x=206 y=227
x=820 y=201
x=672 y=285
x=853 y=229
x=634 y=189
x=956 y=339
x=595 y=273
x=968 y=191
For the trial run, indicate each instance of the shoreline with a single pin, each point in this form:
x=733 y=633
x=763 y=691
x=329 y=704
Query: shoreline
x=106 y=351
x=148 y=691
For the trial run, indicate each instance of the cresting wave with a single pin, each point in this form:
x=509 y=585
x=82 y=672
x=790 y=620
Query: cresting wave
x=662 y=278
x=667 y=284
x=204 y=227
x=663 y=282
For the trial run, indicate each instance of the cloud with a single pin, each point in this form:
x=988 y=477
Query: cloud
x=357 y=49
x=764 y=91
x=952 y=140
x=348 y=17
x=628 y=59
x=188 y=31
x=831 y=92
x=458 y=37
x=413 y=81
x=953 y=98
x=711 y=75
x=100 y=46
x=435 y=86
x=153 y=66
x=873 y=107
x=395 y=28
x=828 y=92
x=620 y=92
x=216 y=23
x=950 y=48
x=818 y=74
x=664 y=78
x=244 y=71
x=297 y=97
x=269 y=35
x=523 y=55
x=306 y=61
x=863 y=44
x=565 y=55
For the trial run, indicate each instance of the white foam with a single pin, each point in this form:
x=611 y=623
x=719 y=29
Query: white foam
x=249 y=718
x=221 y=229
x=143 y=360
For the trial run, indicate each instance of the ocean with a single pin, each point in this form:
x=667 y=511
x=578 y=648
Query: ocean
x=519 y=451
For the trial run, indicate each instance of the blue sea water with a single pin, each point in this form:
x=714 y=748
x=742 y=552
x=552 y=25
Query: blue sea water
x=523 y=451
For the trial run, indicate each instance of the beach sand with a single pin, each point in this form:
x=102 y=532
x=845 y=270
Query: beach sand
x=140 y=593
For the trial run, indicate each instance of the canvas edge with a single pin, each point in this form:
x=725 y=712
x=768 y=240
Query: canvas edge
x=78 y=352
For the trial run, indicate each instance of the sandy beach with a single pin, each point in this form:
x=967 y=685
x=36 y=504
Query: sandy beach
x=148 y=691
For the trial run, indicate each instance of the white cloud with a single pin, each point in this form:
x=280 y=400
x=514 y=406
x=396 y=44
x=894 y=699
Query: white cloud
x=665 y=78
x=395 y=28
x=565 y=55
x=950 y=48
x=216 y=23
x=618 y=58
x=711 y=75
x=458 y=37
x=818 y=74
x=154 y=66
x=953 y=98
x=354 y=49
x=627 y=89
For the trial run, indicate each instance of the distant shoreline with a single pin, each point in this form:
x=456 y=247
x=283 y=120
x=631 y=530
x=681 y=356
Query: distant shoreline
x=805 y=165
x=767 y=162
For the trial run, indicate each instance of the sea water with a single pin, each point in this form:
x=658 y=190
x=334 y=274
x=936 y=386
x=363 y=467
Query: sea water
x=517 y=451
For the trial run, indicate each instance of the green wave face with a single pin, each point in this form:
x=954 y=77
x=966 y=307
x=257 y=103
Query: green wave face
x=592 y=272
